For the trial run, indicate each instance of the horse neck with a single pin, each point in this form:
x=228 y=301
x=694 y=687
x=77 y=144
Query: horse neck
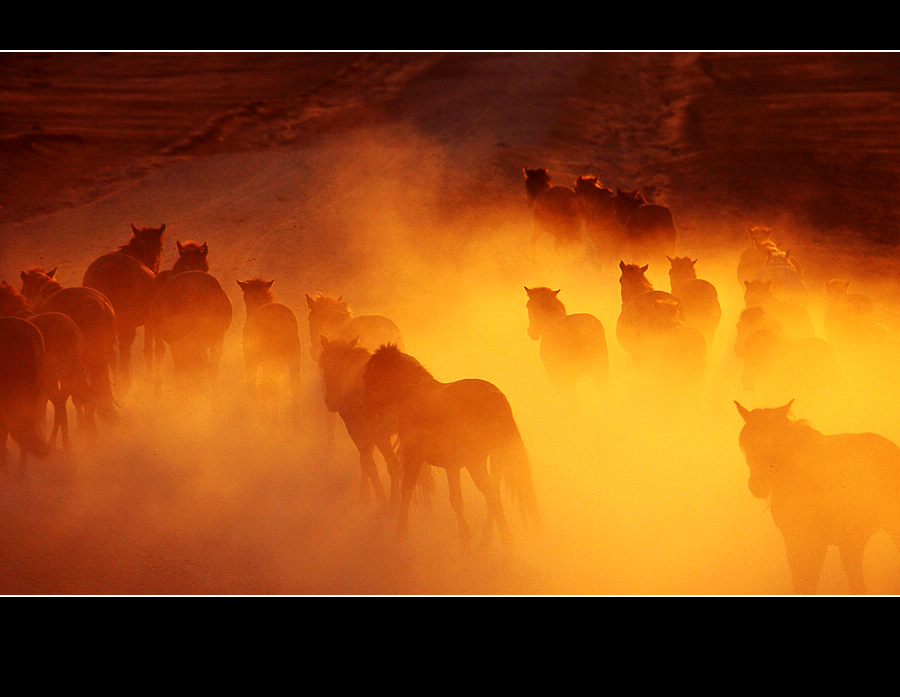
x=254 y=301
x=149 y=255
x=183 y=264
x=634 y=288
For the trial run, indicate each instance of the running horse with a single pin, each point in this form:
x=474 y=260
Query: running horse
x=651 y=328
x=341 y=364
x=94 y=314
x=66 y=369
x=332 y=318
x=22 y=385
x=127 y=279
x=557 y=210
x=453 y=425
x=823 y=490
x=271 y=339
x=191 y=313
x=572 y=346
x=649 y=228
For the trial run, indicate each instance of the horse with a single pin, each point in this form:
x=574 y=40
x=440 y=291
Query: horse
x=66 y=368
x=145 y=246
x=850 y=321
x=793 y=317
x=652 y=330
x=341 y=364
x=572 y=346
x=271 y=339
x=777 y=365
x=332 y=318
x=191 y=313
x=600 y=222
x=556 y=210
x=699 y=297
x=753 y=258
x=823 y=490
x=96 y=318
x=22 y=389
x=192 y=256
x=129 y=285
x=783 y=276
x=453 y=425
x=649 y=228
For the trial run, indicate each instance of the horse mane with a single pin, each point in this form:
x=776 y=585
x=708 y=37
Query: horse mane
x=547 y=299
x=390 y=357
x=13 y=303
x=328 y=304
x=145 y=245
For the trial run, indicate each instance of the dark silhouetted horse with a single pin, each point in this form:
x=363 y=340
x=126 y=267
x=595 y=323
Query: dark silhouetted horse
x=556 y=210
x=702 y=309
x=793 y=317
x=94 y=314
x=332 y=318
x=191 y=314
x=456 y=425
x=129 y=285
x=66 y=367
x=271 y=340
x=601 y=222
x=145 y=246
x=649 y=228
x=341 y=364
x=572 y=346
x=652 y=330
x=823 y=490
x=22 y=389
x=192 y=256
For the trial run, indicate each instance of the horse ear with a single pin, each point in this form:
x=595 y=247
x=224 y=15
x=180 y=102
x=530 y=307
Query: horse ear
x=52 y=274
x=178 y=245
x=671 y=260
x=743 y=411
x=694 y=262
x=783 y=411
x=241 y=284
x=645 y=267
x=162 y=228
x=622 y=265
x=309 y=301
x=205 y=248
x=270 y=283
x=22 y=275
x=354 y=342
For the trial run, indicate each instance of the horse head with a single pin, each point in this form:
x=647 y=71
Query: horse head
x=38 y=283
x=334 y=357
x=633 y=279
x=764 y=443
x=257 y=292
x=192 y=256
x=682 y=268
x=543 y=305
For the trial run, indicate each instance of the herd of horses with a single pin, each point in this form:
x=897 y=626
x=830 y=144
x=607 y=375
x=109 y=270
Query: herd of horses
x=64 y=344
x=824 y=490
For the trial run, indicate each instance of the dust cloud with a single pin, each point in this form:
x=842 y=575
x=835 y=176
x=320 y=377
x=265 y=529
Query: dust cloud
x=642 y=488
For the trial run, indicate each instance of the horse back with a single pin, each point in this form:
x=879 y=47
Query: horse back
x=576 y=334
x=90 y=309
x=124 y=280
x=192 y=301
x=272 y=331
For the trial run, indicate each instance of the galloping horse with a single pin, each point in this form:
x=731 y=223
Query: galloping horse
x=823 y=490
x=271 y=338
x=66 y=369
x=572 y=346
x=191 y=313
x=651 y=329
x=456 y=425
x=192 y=256
x=95 y=317
x=129 y=286
x=332 y=318
x=557 y=210
x=601 y=223
x=649 y=228
x=699 y=297
x=341 y=364
x=22 y=389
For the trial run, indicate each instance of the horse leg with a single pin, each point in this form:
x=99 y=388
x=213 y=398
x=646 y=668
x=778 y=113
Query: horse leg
x=488 y=486
x=411 y=468
x=852 y=560
x=370 y=474
x=127 y=333
x=806 y=557
x=386 y=448
x=454 y=483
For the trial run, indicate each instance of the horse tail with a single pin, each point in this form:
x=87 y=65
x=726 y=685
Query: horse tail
x=511 y=462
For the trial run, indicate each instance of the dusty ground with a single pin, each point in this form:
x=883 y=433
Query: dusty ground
x=395 y=180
